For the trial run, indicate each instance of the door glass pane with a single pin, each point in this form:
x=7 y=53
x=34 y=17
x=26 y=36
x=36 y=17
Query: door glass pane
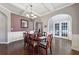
x=57 y=29
x=64 y=29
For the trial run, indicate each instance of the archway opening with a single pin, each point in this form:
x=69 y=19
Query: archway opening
x=3 y=28
x=61 y=26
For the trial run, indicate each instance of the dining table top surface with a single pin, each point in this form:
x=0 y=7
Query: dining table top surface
x=42 y=37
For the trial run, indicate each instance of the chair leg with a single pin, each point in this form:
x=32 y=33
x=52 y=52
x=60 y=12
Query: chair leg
x=46 y=51
x=33 y=51
x=24 y=44
x=38 y=50
x=51 y=50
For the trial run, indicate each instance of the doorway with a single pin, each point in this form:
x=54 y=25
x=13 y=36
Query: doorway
x=61 y=26
x=39 y=26
x=3 y=28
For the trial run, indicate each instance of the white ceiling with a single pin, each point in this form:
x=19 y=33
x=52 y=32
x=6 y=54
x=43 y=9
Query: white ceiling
x=39 y=9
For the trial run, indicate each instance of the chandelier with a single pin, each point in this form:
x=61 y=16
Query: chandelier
x=31 y=15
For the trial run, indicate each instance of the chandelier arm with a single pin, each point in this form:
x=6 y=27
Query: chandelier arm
x=31 y=8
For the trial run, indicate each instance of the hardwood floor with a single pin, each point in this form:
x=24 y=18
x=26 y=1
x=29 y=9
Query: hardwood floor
x=60 y=47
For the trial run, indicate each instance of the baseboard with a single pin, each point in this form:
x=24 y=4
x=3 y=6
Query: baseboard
x=3 y=42
x=75 y=49
x=63 y=37
x=9 y=42
x=14 y=41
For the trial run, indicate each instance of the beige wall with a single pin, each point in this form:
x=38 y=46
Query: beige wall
x=71 y=10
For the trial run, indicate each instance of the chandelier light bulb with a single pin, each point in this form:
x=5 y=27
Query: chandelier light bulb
x=27 y=15
x=35 y=16
x=32 y=14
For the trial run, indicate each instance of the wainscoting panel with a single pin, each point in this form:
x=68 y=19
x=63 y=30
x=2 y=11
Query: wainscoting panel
x=75 y=42
x=15 y=36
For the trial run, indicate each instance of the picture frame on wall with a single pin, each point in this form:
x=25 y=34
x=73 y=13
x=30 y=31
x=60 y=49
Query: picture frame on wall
x=24 y=23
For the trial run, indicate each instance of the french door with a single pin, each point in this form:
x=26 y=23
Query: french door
x=61 y=26
x=61 y=29
x=64 y=29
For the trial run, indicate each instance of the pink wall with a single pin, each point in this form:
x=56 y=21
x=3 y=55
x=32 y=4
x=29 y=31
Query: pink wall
x=16 y=23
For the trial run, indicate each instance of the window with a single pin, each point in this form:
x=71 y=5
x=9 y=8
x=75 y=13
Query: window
x=57 y=29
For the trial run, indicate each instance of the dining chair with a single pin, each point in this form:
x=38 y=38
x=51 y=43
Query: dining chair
x=33 y=43
x=46 y=43
x=26 y=39
x=43 y=33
